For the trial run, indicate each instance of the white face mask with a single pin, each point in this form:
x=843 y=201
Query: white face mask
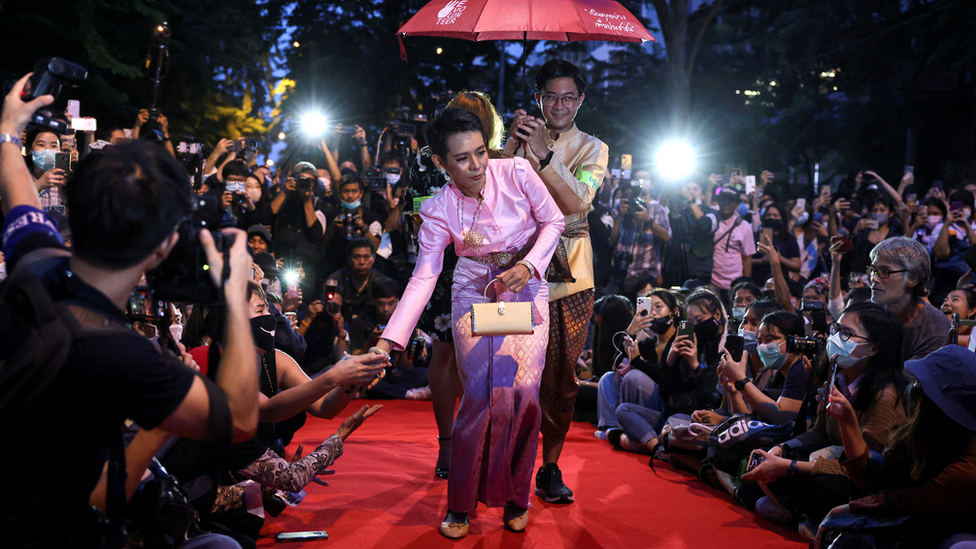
x=177 y=331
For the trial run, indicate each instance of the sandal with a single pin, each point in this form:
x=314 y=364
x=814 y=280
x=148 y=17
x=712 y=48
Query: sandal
x=441 y=471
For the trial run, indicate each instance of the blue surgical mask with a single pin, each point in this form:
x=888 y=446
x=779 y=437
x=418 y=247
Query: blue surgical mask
x=44 y=160
x=738 y=313
x=837 y=347
x=742 y=210
x=352 y=205
x=804 y=217
x=234 y=186
x=771 y=356
x=392 y=178
x=750 y=341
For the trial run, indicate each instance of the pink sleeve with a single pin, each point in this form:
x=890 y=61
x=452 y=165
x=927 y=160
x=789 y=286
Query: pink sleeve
x=434 y=238
x=546 y=213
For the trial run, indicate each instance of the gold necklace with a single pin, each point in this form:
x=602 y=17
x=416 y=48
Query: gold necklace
x=472 y=238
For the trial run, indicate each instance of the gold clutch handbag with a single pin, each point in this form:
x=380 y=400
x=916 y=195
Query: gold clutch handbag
x=501 y=318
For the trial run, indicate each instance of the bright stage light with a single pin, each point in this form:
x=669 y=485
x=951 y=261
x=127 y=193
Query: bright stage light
x=675 y=160
x=314 y=124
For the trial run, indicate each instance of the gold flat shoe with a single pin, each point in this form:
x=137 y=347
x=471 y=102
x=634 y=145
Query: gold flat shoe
x=516 y=523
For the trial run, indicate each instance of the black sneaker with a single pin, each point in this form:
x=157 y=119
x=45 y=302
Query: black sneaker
x=549 y=485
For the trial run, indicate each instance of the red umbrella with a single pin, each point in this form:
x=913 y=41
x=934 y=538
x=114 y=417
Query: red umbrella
x=561 y=20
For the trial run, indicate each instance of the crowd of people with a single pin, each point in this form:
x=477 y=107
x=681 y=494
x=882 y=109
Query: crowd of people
x=834 y=317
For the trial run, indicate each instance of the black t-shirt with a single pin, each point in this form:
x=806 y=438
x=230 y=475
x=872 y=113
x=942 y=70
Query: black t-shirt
x=57 y=452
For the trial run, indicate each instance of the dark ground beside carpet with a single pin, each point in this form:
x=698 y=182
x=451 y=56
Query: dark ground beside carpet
x=384 y=494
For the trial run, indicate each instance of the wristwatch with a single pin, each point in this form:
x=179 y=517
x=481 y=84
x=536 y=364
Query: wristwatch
x=545 y=161
x=741 y=384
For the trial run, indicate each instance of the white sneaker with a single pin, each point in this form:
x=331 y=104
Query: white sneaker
x=422 y=393
x=770 y=511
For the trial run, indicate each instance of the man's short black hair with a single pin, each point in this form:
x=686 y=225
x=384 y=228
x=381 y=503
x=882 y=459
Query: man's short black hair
x=560 y=68
x=351 y=179
x=125 y=200
x=361 y=243
x=384 y=288
x=235 y=168
x=388 y=157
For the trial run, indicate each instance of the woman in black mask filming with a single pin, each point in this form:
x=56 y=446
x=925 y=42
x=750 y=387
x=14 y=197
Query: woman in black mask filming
x=677 y=375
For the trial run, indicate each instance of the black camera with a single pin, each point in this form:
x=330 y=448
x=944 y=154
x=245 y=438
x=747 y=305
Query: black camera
x=331 y=307
x=375 y=180
x=50 y=76
x=249 y=144
x=304 y=183
x=809 y=345
x=415 y=348
x=184 y=276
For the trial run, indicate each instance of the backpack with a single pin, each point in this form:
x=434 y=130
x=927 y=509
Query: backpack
x=735 y=438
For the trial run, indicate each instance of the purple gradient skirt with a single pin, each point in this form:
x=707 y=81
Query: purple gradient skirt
x=496 y=432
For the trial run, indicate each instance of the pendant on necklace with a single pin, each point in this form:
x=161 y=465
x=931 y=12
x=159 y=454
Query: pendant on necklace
x=474 y=239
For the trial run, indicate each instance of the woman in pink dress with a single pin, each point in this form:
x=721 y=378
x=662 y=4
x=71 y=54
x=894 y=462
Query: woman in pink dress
x=504 y=226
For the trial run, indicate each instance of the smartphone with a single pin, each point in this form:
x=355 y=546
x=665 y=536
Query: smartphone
x=956 y=206
x=912 y=199
x=937 y=185
x=802 y=203
x=626 y=162
x=909 y=169
x=74 y=108
x=62 y=161
x=686 y=328
x=847 y=244
x=873 y=224
x=755 y=458
x=302 y=536
x=734 y=345
x=767 y=235
x=643 y=306
x=818 y=217
x=750 y=184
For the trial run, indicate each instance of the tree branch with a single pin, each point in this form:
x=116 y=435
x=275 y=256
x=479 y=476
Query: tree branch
x=701 y=32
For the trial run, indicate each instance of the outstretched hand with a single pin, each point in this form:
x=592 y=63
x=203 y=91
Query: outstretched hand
x=354 y=421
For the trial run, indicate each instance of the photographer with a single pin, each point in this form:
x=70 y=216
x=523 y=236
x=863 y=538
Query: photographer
x=295 y=221
x=350 y=220
x=235 y=201
x=635 y=237
x=693 y=226
x=158 y=131
x=119 y=232
x=784 y=373
x=354 y=282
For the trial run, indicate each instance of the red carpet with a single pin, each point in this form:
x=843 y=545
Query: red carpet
x=384 y=494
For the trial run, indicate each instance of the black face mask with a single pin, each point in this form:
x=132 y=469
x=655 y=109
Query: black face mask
x=706 y=330
x=661 y=325
x=773 y=224
x=263 y=331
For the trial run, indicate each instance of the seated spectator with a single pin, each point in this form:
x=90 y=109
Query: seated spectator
x=628 y=381
x=929 y=221
x=685 y=378
x=749 y=332
x=898 y=273
x=780 y=387
x=963 y=303
x=955 y=237
x=408 y=376
x=870 y=374
x=354 y=282
x=744 y=293
x=880 y=224
x=928 y=468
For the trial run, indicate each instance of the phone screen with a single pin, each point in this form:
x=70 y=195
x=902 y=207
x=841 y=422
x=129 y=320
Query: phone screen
x=734 y=345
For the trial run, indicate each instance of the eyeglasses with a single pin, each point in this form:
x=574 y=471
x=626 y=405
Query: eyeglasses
x=845 y=333
x=566 y=100
x=883 y=273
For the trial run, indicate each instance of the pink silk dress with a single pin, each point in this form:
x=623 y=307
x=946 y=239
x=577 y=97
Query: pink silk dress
x=496 y=432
